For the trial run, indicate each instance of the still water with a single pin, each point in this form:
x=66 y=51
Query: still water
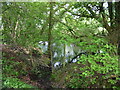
x=61 y=53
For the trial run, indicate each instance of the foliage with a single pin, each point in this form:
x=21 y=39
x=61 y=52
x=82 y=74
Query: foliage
x=97 y=68
x=23 y=25
x=10 y=82
x=91 y=27
x=13 y=66
x=11 y=73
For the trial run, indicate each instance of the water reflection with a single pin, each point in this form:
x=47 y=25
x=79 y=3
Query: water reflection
x=61 y=53
x=57 y=64
x=43 y=45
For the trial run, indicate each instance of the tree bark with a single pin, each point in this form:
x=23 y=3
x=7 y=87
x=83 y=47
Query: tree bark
x=50 y=33
x=64 y=55
x=115 y=32
x=110 y=9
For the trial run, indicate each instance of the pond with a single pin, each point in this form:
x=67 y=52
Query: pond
x=61 y=53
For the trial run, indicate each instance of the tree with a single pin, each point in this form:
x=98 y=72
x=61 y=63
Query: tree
x=101 y=14
x=50 y=32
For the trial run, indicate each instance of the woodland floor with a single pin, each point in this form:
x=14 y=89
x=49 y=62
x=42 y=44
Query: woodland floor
x=22 y=56
x=29 y=78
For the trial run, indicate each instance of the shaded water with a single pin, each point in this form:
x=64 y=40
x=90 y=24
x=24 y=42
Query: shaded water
x=61 y=53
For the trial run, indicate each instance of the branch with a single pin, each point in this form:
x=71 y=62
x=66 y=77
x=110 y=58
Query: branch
x=69 y=28
x=77 y=56
x=46 y=23
x=80 y=15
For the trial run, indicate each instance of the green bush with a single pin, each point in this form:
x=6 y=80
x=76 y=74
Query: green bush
x=10 y=73
x=12 y=68
x=98 y=69
x=10 y=82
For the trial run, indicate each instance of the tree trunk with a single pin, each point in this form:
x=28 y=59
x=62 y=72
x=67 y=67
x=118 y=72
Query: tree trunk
x=110 y=9
x=114 y=30
x=50 y=33
x=64 y=55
